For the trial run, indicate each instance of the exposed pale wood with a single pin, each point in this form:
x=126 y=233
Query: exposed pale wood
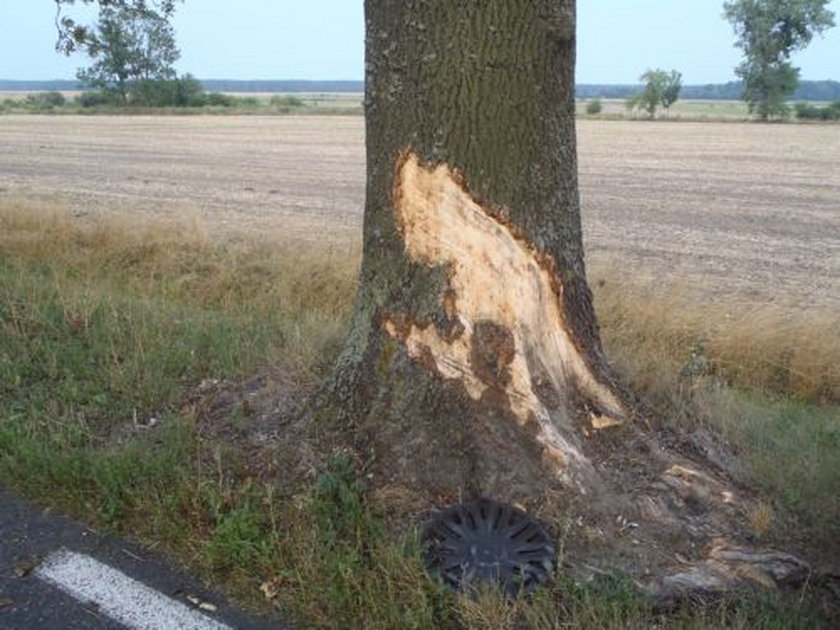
x=498 y=277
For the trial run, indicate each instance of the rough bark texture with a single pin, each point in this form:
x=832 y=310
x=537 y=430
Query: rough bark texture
x=470 y=143
x=473 y=364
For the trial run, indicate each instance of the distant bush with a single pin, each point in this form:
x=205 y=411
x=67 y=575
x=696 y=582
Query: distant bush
x=181 y=92
x=285 y=101
x=806 y=111
x=217 y=99
x=95 y=98
x=594 y=107
x=9 y=105
x=248 y=101
x=185 y=91
x=45 y=99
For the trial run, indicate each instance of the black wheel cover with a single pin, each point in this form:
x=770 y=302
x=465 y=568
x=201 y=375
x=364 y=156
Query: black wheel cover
x=491 y=542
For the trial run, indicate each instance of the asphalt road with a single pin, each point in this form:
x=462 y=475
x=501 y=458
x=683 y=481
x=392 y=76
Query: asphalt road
x=57 y=574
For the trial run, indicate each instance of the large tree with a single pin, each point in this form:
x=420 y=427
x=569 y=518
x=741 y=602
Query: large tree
x=474 y=354
x=769 y=32
x=473 y=364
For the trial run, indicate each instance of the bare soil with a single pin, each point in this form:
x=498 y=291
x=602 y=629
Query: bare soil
x=743 y=211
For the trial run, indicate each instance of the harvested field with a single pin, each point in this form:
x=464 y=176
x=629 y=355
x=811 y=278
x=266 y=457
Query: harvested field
x=743 y=211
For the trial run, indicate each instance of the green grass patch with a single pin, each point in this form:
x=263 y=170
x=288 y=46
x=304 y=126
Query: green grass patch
x=103 y=331
x=792 y=449
x=697 y=110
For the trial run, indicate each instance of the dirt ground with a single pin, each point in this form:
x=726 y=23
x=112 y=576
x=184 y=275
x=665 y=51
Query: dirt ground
x=742 y=211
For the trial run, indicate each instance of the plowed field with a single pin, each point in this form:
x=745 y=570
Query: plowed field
x=742 y=211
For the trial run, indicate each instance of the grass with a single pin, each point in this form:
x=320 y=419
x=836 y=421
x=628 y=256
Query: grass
x=704 y=110
x=764 y=377
x=107 y=327
x=235 y=104
x=663 y=337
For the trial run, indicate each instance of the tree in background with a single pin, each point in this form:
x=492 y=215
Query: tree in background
x=129 y=47
x=769 y=32
x=671 y=89
x=661 y=88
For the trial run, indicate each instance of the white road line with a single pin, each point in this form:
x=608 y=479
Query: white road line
x=118 y=596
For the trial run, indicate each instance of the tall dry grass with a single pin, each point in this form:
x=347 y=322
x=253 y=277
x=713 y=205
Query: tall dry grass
x=661 y=337
x=306 y=292
x=655 y=335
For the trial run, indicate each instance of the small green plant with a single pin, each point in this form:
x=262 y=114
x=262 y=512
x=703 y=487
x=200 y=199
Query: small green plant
x=243 y=534
x=338 y=505
x=594 y=107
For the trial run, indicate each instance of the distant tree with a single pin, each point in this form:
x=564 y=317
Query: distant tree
x=651 y=95
x=129 y=47
x=769 y=32
x=660 y=88
x=671 y=89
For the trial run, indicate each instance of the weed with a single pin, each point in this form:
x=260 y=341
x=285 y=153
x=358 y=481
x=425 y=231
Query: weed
x=761 y=519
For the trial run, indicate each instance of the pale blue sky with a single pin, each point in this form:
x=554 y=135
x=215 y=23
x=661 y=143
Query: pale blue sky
x=322 y=39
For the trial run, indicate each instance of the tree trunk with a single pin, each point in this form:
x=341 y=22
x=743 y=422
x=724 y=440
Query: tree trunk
x=473 y=364
x=474 y=353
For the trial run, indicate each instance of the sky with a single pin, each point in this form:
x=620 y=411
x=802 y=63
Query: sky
x=323 y=39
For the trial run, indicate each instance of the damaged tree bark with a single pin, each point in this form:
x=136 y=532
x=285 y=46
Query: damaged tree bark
x=473 y=328
x=507 y=334
x=474 y=365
